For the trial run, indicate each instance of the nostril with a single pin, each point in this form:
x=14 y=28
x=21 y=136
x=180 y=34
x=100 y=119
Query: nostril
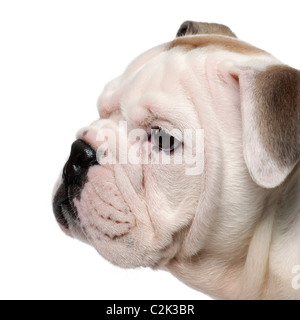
x=79 y=159
x=82 y=156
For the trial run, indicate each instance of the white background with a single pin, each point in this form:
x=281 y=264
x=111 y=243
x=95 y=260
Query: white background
x=55 y=58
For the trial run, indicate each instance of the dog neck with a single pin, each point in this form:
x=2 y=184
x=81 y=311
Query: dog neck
x=260 y=265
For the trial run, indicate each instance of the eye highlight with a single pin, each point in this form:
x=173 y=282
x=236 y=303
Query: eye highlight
x=163 y=140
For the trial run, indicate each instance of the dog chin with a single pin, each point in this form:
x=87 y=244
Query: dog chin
x=65 y=211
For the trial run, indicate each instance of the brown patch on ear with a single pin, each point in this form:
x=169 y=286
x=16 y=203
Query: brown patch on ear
x=277 y=96
x=230 y=44
x=192 y=27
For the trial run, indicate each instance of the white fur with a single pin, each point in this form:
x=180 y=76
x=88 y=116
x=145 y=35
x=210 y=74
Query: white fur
x=219 y=232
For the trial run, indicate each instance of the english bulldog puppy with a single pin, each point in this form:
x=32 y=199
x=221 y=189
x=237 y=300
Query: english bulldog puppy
x=193 y=167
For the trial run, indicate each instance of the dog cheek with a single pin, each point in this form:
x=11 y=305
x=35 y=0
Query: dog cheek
x=135 y=174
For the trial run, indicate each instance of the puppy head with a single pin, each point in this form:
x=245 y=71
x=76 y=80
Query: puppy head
x=120 y=189
x=123 y=189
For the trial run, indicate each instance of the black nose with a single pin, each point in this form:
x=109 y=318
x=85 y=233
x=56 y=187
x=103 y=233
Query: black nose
x=81 y=158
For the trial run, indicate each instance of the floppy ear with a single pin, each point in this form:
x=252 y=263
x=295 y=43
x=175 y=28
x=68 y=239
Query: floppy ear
x=270 y=107
x=192 y=27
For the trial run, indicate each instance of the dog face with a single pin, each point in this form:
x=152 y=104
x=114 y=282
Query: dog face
x=133 y=214
x=211 y=101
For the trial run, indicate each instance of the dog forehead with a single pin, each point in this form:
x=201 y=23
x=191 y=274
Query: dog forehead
x=143 y=59
x=171 y=54
x=110 y=97
x=145 y=74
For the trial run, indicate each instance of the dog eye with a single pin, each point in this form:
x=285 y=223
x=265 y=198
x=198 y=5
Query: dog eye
x=163 y=140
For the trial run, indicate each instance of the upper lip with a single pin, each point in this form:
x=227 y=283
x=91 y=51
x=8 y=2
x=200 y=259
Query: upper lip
x=63 y=198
